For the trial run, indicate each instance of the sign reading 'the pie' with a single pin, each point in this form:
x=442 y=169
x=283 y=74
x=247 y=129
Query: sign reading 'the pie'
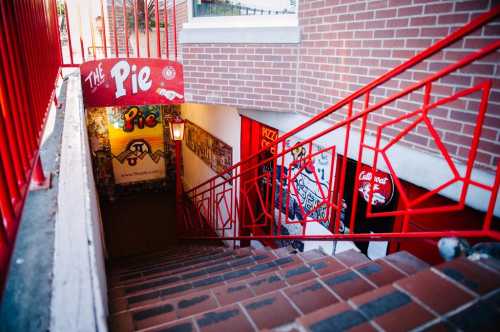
x=131 y=81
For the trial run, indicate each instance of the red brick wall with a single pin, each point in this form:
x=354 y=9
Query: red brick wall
x=248 y=76
x=346 y=44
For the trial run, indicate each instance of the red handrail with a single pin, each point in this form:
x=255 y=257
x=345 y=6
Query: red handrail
x=247 y=202
x=29 y=70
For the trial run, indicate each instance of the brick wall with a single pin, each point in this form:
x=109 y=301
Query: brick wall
x=346 y=44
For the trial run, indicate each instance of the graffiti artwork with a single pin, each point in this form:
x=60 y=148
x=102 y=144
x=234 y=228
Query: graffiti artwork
x=303 y=189
x=215 y=153
x=135 y=151
x=137 y=145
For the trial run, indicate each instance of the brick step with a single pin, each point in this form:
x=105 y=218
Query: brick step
x=458 y=295
x=165 y=271
x=230 y=263
x=308 y=286
x=172 y=252
x=165 y=260
x=161 y=267
x=128 y=302
x=239 y=253
x=224 y=295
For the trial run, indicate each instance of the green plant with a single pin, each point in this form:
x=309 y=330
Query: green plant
x=60 y=9
x=141 y=15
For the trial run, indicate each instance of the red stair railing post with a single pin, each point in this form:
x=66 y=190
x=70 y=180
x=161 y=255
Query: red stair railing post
x=39 y=179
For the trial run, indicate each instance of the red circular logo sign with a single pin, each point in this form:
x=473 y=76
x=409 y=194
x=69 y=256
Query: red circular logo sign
x=168 y=73
x=383 y=186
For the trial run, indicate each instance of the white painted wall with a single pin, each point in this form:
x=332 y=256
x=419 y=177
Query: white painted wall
x=222 y=122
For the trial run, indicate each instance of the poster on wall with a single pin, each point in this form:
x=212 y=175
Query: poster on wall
x=214 y=152
x=267 y=136
x=137 y=143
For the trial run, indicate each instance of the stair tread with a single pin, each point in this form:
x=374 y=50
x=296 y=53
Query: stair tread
x=211 y=281
x=167 y=261
x=309 y=291
x=225 y=264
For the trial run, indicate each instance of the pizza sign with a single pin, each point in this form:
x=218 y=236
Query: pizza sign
x=383 y=186
x=131 y=81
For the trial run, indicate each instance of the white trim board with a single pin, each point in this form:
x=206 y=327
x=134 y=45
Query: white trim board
x=79 y=298
x=412 y=165
x=194 y=34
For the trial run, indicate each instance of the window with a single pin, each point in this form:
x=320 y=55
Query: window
x=241 y=21
x=216 y=8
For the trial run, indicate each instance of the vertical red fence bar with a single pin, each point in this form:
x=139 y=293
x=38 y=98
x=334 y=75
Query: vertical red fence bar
x=125 y=27
x=146 y=26
x=115 y=33
x=174 y=21
x=157 y=25
x=29 y=69
x=165 y=23
x=104 y=37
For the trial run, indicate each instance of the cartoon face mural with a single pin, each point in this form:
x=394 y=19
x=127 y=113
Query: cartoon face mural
x=136 y=149
x=137 y=143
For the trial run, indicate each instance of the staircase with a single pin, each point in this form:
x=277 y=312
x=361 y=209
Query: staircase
x=213 y=288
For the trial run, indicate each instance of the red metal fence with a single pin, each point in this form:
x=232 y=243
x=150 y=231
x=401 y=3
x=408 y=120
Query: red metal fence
x=29 y=67
x=108 y=28
x=260 y=196
x=35 y=42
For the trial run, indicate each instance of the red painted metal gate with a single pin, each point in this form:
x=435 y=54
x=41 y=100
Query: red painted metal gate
x=29 y=69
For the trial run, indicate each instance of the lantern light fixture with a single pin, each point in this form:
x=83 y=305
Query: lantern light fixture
x=177 y=129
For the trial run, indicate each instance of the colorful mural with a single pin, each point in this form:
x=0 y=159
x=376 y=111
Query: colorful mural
x=131 y=148
x=305 y=188
x=137 y=146
x=215 y=153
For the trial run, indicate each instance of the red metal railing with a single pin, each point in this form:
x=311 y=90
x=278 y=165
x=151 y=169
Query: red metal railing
x=120 y=33
x=252 y=200
x=29 y=69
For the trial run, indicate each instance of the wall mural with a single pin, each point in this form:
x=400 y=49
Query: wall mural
x=311 y=186
x=131 y=148
x=214 y=152
x=137 y=146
